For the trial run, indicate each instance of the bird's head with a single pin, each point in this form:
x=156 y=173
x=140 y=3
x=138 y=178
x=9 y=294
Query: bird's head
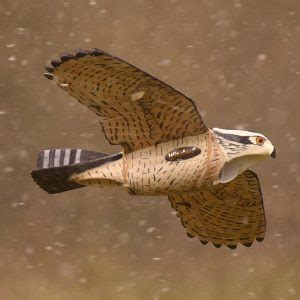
x=242 y=150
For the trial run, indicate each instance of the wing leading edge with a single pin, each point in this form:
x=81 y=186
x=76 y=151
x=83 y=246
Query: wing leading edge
x=136 y=109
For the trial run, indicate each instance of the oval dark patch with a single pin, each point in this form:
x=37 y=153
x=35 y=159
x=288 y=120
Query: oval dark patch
x=182 y=153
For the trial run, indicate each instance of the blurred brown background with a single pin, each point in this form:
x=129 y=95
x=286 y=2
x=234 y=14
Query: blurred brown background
x=239 y=61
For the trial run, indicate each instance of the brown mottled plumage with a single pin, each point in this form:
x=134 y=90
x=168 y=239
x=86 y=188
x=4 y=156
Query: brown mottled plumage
x=167 y=150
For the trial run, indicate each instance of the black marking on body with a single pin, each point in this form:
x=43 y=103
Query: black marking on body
x=182 y=153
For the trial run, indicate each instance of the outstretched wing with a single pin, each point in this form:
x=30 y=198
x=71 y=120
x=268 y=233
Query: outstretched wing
x=136 y=109
x=226 y=214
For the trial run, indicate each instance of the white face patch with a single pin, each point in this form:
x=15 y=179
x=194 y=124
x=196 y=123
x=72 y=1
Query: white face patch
x=242 y=149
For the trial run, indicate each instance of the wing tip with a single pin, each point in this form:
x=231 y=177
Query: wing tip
x=55 y=63
x=230 y=246
x=49 y=76
x=49 y=69
x=66 y=57
x=79 y=53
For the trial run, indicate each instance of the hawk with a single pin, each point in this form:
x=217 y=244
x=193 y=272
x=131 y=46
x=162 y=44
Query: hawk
x=167 y=150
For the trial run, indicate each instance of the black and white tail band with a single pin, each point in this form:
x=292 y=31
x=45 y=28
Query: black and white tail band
x=64 y=157
x=56 y=166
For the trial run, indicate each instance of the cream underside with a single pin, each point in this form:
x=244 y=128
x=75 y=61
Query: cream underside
x=146 y=171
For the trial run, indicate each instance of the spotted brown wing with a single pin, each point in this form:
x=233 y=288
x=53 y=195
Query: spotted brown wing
x=136 y=109
x=226 y=214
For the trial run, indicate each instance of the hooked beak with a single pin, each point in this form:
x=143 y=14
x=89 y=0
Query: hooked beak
x=273 y=154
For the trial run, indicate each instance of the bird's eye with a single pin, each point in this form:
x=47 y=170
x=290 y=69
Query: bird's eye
x=260 y=140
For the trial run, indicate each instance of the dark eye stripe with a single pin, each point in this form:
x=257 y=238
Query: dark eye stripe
x=235 y=138
x=182 y=153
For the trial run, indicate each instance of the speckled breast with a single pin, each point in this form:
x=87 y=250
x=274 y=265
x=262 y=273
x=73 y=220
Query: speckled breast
x=161 y=169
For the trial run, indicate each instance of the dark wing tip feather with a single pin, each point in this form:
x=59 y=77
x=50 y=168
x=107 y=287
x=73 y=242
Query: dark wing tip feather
x=203 y=242
x=247 y=244
x=79 y=53
x=48 y=75
x=66 y=57
x=55 y=63
x=49 y=69
x=97 y=52
x=82 y=52
x=231 y=246
x=191 y=236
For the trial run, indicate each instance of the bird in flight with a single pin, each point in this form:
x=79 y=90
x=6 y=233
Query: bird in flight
x=167 y=150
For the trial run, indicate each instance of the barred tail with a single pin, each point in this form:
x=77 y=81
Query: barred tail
x=55 y=166
x=64 y=157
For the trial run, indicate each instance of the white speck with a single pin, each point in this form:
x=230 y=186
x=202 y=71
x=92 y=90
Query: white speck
x=21 y=30
x=2 y=112
x=190 y=46
x=29 y=267
x=292 y=291
x=10 y=45
x=103 y=11
x=60 y=15
x=29 y=250
x=49 y=248
x=92 y=3
x=238 y=5
x=66 y=4
x=12 y=58
x=275 y=186
x=151 y=229
x=24 y=62
x=142 y=222
x=71 y=34
x=87 y=40
x=164 y=62
x=278 y=234
x=262 y=57
x=173 y=213
x=235 y=254
x=240 y=126
x=155 y=258
x=82 y=280
x=8 y=170
x=120 y=288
